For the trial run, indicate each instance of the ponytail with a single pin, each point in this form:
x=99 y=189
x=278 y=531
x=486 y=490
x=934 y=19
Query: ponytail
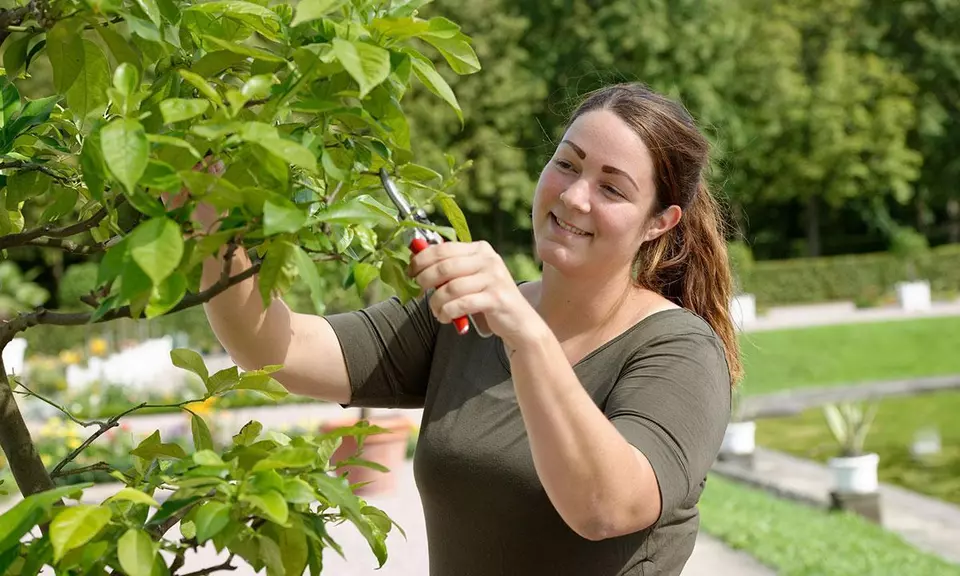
x=688 y=265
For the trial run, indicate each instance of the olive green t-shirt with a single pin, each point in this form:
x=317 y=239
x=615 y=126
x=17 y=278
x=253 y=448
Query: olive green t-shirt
x=663 y=383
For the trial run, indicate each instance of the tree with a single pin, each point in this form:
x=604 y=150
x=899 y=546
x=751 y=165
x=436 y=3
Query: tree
x=107 y=106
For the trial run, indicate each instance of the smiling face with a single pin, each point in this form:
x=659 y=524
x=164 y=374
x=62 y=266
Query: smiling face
x=595 y=202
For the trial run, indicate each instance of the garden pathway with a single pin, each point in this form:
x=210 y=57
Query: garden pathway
x=927 y=523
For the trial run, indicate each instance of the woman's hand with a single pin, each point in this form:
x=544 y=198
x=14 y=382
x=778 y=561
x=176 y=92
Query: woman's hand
x=470 y=278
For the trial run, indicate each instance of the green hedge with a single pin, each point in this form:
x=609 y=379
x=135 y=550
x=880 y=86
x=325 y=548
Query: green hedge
x=866 y=279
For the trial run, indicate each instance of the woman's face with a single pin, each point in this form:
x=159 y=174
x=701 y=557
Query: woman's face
x=591 y=206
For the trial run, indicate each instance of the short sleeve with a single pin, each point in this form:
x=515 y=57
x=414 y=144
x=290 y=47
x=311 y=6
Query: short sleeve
x=388 y=349
x=672 y=402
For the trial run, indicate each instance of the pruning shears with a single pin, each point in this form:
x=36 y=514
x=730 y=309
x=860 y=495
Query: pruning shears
x=418 y=239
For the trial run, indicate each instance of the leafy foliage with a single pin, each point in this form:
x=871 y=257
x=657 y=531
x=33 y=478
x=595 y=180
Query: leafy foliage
x=121 y=122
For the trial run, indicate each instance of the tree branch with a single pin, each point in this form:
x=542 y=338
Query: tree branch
x=113 y=422
x=227 y=565
x=68 y=246
x=91 y=468
x=27 y=236
x=14 y=17
x=66 y=412
x=21 y=322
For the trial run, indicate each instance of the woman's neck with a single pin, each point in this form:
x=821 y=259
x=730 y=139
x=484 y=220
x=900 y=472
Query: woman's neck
x=572 y=306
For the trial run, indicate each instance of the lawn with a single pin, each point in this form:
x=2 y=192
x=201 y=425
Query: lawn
x=898 y=420
x=796 y=540
x=850 y=353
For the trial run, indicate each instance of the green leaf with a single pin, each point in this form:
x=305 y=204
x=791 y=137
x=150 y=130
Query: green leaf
x=211 y=518
x=133 y=495
x=64 y=201
x=92 y=164
x=152 y=447
x=122 y=50
x=248 y=434
x=296 y=491
x=244 y=49
x=152 y=11
x=208 y=458
x=136 y=553
x=161 y=176
x=200 y=84
x=453 y=45
x=434 y=82
x=309 y=10
x=288 y=457
x=125 y=150
x=254 y=15
x=157 y=247
x=24 y=515
x=453 y=213
x=75 y=526
x=271 y=505
x=281 y=215
x=15 y=54
x=262 y=383
x=9 y=99
x=418 y=173
x=189 y=360
x=166 y=295
x=65 y=49
x=363 y=275
x=178 y=109
x=223 y=380
x=202 y=439
x=292 y=544
x=25 y=185
x=366 y=63
x=278 y=270
x=213 y=63
x=311 y=277
x=88 y=93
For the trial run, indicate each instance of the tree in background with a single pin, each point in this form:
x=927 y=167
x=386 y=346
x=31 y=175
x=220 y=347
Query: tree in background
x=277 y=116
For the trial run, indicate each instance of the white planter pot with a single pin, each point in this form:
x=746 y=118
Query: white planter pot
x=914 y=296
x=13 y=354
x=743 y=308
x=739 y=438
x=856 y=474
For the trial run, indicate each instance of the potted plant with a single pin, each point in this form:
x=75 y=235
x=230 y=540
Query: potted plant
x=911 y=248
x=855 y=485
x=739 y=439
x=743 y=308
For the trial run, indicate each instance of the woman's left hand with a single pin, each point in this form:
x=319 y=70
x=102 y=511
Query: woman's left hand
x=471 y=278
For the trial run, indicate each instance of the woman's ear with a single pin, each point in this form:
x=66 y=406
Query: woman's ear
x=662 y=223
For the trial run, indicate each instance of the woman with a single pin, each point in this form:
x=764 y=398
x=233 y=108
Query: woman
x=578 y=438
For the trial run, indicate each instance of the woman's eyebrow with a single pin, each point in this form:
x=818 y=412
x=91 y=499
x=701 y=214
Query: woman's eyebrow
x=607 y=169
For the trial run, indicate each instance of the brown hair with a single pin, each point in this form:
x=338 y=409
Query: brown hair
x=687 y=265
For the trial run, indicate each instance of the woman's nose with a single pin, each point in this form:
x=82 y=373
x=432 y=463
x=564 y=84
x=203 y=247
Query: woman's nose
x=577 y=196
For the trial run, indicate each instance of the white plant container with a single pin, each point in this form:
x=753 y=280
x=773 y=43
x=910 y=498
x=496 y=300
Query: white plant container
x=855 y=474
x=13 y=354
x=739 y=438
x=914 y=296
x=743 y=308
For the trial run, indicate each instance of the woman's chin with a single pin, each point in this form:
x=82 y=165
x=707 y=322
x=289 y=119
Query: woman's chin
x=560 y=258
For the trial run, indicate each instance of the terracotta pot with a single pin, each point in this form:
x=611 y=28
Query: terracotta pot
x=389 y=449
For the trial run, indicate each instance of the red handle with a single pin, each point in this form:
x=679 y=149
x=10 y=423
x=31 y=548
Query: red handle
x=419 y=244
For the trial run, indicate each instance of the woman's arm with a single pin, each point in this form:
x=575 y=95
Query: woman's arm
x=600 y=484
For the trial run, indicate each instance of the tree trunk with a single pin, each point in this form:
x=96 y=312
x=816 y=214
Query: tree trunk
x=813 y=226
x=25 y=463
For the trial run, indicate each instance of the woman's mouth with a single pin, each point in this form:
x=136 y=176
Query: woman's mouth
x=567 y=227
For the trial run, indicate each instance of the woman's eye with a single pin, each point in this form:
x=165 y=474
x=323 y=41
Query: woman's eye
x=613 y=191
x=563 y=164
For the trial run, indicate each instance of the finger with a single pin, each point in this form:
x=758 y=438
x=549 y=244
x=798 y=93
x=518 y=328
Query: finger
x=437 y=252
x=448 y=269
x=457 y=288
x=470 y=304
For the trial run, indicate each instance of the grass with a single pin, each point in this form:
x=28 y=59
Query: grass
x=898 y=420
x=796 y=540
x=850 y=353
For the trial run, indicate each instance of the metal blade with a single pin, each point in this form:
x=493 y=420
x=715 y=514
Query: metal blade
x=395 y=195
